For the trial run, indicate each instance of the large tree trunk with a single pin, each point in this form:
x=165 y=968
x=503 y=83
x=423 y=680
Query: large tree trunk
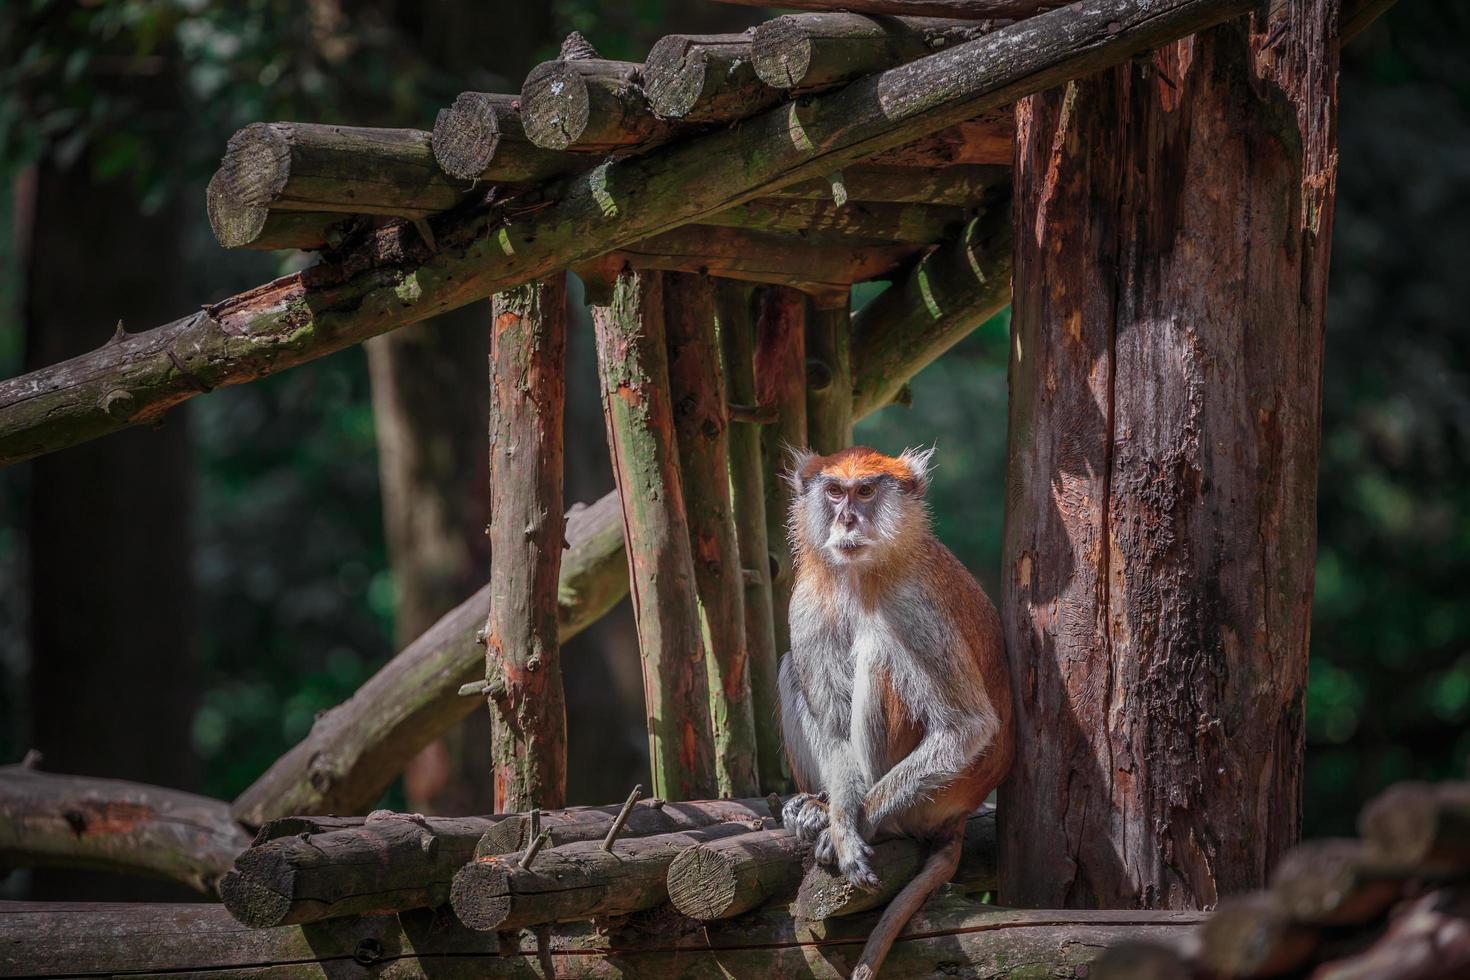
x=109 y=527
x=1172 y=229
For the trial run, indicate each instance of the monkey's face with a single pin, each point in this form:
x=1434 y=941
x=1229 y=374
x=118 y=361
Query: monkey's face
x=853 y=506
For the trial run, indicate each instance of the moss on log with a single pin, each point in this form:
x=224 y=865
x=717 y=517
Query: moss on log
x=822 y=49
x=705 y=78
x=111 y=825
x=939 y=301
x=480 y=138
x=747 y=497
x=389 y=862
x=394 y=278
x=948 y=936
x=701 y=422
x=528 y=343
x=632 y=364
x=357 y=748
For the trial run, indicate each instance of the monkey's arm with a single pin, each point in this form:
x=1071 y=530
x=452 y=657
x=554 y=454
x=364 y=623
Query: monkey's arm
x=946 y=751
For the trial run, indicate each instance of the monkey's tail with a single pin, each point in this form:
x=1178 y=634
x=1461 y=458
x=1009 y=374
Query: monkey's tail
x=938 y=868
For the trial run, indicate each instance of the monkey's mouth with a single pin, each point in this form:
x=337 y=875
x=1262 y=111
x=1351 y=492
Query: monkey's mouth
x=849 y=547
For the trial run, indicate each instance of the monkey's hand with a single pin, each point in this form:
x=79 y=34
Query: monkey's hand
x=850 y=854
x=805 y=814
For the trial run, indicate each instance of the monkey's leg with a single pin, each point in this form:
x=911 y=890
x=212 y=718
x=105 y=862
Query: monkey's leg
x=944 y=753
x=938 y=868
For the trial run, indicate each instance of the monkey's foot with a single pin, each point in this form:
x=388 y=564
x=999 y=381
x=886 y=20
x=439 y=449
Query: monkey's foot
x=805 y=814
x=850 y=855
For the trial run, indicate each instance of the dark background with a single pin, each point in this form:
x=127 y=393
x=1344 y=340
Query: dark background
x=177 y=604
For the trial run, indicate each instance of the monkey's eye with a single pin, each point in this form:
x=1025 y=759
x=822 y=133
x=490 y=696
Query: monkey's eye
x=834 y=491
x=866 y=491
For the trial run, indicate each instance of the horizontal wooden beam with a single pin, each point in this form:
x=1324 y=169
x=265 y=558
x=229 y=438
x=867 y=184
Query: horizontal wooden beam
x=395 y=278
x=90 y=939
x=111 y=825
x=970 y=9
x=813 y=51
x=955 y=186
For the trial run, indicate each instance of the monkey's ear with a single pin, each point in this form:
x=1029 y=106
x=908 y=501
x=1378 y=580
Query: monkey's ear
x=919 y=463
x=798 y=460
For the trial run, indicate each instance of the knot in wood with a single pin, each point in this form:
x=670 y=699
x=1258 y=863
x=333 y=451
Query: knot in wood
x=818 y=375
x=368 y=952
x=118 y=403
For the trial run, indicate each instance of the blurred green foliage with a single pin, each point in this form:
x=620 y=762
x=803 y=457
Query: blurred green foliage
x=294 y=594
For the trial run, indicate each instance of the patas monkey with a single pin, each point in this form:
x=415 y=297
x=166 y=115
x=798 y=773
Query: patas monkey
x=895 y=697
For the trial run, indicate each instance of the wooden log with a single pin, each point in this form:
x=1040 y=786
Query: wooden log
x=705 y=78
x=1428 y=940
x=1117 y=416
x=389 y=863
x=513 y=834
x=353 y=750
x=725 y=878
x=825 y=894
x=753 y=256
x=348 y=169
x=357 y=748
x=1253 y=936
x=528 y=343
x=584 y=103
x=574 y=881
x=92 y=939
x=393 y=278
x=780 y=384
x=237 y=225
x=480 y=137
x=829 y=372
x=941 y=299
x=972 y=9
x=1336 y=883
x=825 y=222
x=1420 y=825
x=632 y=364
x=808 y=51
x=56 y=821
x=987 y=140
x=697 y=392
x=747 y=496
x=964 y=186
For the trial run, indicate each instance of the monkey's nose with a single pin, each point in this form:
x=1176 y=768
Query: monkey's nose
x=848 y=520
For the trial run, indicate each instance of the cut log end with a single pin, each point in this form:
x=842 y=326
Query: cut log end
x=257 y=896
x=480 y=895
x=782 y=53
x=467 y=134
x=703 y=883
x=256 y=164
x=555 y=104
x=674 y=76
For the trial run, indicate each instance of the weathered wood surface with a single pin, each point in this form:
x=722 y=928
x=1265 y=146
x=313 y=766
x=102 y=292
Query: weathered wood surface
x=481 y=138
x=1420 y=825
x=826 y=222
x=56 y=939
x=780 y=385
x=942 y=298
x=589 y=105
x=512 y=834
x=705 y=78
x=237 y=225
x=357 y=748
x=747 y=497
x=809 y=51
x=632 y=364
x=973 y=9
x=1253 y=936
x=351 y=169
x=724 y=878
x=395 y=278
x=54 y=821
x=574 y=881
x=701 y=421
x=829 y=372
x=528 y=344
x=963 y=186
x=389 y=862
x=986 y=140
x=1161 y=498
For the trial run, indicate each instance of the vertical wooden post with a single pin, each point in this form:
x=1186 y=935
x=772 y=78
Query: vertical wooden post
x=829 y=371
x=697 y=392
x=780 y=384
x=528 y=342
x=1172 y=233
x=747 y=492
x=633 y=365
